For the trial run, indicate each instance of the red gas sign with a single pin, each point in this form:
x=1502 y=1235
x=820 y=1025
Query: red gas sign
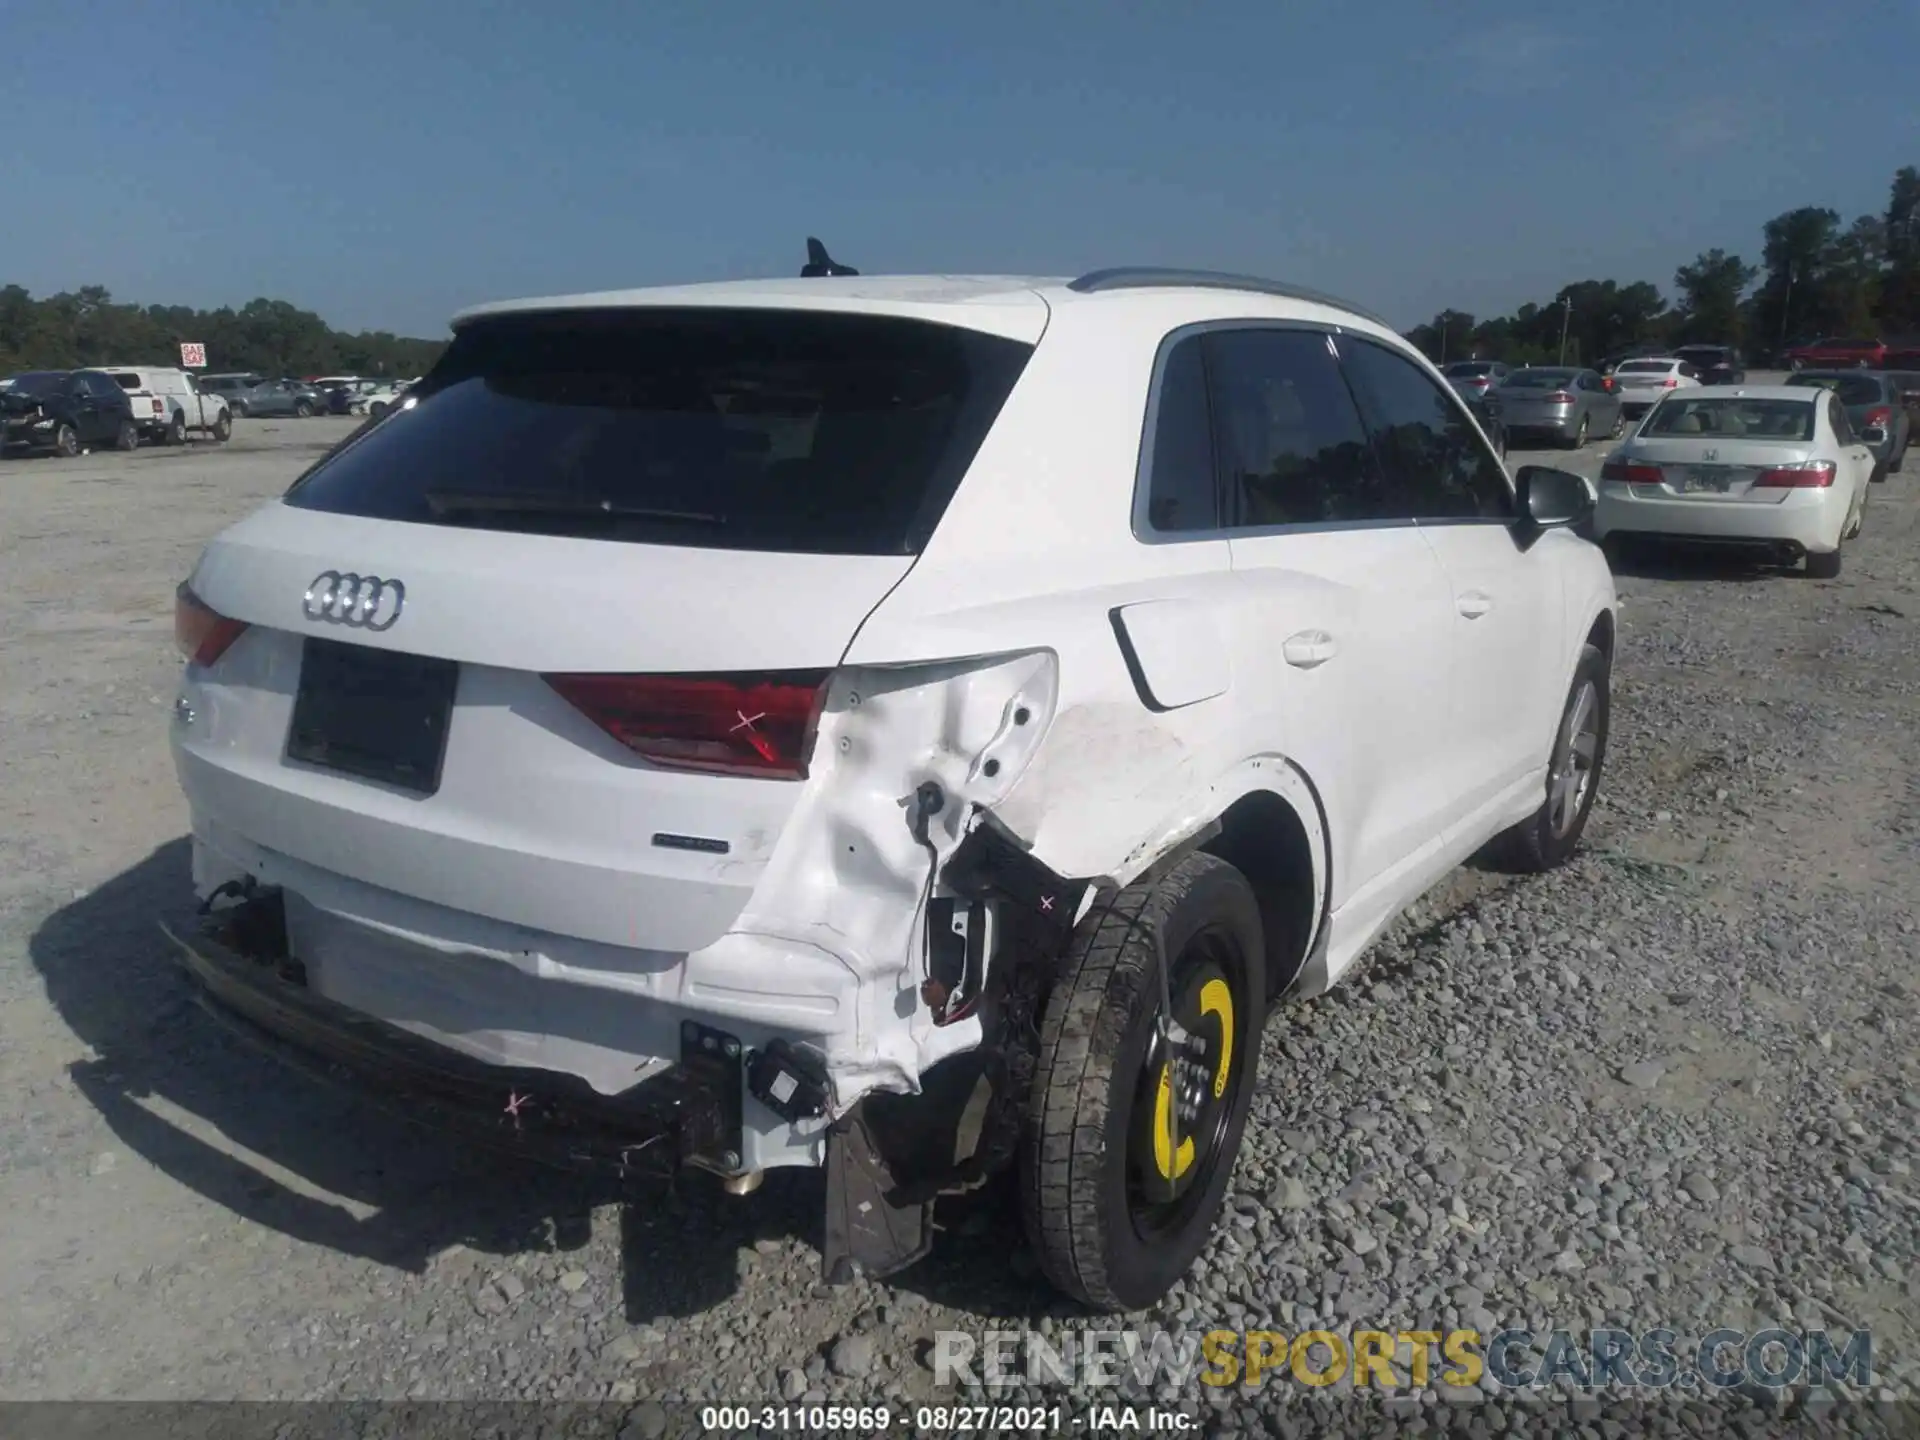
x=193 y=357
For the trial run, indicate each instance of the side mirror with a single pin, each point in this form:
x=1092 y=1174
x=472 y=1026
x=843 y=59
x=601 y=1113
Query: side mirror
x=1553 y=499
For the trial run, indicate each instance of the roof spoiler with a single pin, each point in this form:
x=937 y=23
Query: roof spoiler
x=820 y=264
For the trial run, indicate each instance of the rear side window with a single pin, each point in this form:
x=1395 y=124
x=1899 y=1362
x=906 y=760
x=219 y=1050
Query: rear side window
x=1290 y=442
x=729 y=429
x=1181 y=489
x=1852 y=389
x=127 y=382
x=1434 y=459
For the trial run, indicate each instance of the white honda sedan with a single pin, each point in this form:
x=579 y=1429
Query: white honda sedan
x=1772 y=468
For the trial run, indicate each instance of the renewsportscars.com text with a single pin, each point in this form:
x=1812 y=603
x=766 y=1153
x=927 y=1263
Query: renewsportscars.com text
x=1656 y=1359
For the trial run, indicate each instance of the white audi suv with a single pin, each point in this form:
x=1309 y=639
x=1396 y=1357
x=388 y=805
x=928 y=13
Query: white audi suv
x=910 y=726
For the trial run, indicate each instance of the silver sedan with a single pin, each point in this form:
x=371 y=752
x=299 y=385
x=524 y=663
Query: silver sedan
x=1573 y=406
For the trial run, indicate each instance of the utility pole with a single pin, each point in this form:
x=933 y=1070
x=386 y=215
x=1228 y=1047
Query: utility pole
x=1566 y=317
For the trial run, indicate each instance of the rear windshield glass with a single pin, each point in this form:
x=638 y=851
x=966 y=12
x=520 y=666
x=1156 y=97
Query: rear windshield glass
x=730 y=429
x=1786 y=421
x=1645 y=367
x=41 y=382
x=1538 y=379
x=1467 y=370
x=1852 y=389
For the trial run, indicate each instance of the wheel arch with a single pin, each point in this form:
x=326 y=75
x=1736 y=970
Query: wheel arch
x=1264 y=817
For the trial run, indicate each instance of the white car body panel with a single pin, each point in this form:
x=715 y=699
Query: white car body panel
x=521 y=914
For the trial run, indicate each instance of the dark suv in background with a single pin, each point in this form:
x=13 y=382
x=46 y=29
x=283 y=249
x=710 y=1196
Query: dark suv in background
x=65 y=412
x=1717 y=364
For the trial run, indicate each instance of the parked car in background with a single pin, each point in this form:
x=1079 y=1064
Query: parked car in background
x=1474 y=378
x=231 y=386
x=280 y=397
x=1715 y=364
x=64 y=412
x=1607 y=364
x=1773 y=468
x=1645 y=383
x=338 y=391
x=1566 y=404
x=1907 y=382
x=168 y=403
x=379 y=398
x=1834 y=353
x=1486 y=409
x=1876 y=408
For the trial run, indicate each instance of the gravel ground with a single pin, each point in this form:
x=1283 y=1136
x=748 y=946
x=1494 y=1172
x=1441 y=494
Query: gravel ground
x=1674 y=1084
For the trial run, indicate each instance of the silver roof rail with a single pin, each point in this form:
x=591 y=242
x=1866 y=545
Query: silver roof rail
x=1140 y=277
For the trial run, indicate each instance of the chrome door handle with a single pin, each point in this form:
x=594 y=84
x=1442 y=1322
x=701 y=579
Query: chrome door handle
x=1474 y=604
x=1309 y=648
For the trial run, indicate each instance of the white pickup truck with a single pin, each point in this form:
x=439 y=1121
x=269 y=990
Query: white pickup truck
x=167 y=403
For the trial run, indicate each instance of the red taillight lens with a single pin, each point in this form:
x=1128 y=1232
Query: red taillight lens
x=1631 y=474
x=1813 y=475
x=1882 y=417
x=724 y=724
x=202 y=633
x=1669 y=383
x=159 y=407
x=1559 y=397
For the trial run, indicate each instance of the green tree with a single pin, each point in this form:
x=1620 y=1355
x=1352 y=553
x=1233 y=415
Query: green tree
x=1900 y=287
x=1710 y=292
x=1796 y=299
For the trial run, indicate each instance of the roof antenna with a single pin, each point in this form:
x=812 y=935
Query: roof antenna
x=820 y=264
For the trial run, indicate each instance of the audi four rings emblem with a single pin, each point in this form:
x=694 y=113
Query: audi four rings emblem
x=365 y=602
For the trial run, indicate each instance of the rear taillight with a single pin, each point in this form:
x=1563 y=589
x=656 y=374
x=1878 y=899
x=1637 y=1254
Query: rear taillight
x=202 y=633
x=1607 y=384
x=1559 y=397
x=1628 y=473
x=159 y=406
x=1881 y=417
x=1669 y=383
x=723 y=724
x=1808 y=475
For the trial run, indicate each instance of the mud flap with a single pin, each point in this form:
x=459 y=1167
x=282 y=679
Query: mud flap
x=867 y=1234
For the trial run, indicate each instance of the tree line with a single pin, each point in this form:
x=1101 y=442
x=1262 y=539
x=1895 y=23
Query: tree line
x=1816 y=276
x=84 y=327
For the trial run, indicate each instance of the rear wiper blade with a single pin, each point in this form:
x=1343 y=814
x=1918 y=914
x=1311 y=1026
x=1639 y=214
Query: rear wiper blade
x=492 y=502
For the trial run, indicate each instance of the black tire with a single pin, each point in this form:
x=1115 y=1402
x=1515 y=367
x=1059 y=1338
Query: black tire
x=1092 y=1129
x=1897 y=464
x=1579 y=440
x=377 y=409
x=239 y=408
x=1824 y=567
x=1878 y=475
x=1796 y=366
x=1546 y=840
x=176 y=431
x=128 y=437
x=66 y=440
x=223 y=427
x=1619 y=424
x=303 y=410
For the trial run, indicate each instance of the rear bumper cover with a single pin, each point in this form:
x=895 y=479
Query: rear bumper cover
x=687 y=1114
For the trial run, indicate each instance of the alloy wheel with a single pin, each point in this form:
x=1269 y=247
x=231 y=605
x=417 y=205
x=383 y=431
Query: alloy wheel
x=1573 y=774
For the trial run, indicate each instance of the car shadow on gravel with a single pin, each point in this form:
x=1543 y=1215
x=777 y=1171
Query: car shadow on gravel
x=325 y=1168
x=1674 y=560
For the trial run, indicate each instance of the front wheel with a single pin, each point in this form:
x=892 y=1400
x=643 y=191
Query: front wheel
x=1579 y=436
x=1548 y=838
x=176 y=429
x=128 y=436
x=66 y=440
x=1796 y=366
x=1619 y=425
x=377 y=409
x=223 y=427
x=1133 y=1125
x=239 y=407
x=303 y=410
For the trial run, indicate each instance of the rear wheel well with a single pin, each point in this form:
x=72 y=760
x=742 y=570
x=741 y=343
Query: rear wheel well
x=1601 y=635
x=1263 y=838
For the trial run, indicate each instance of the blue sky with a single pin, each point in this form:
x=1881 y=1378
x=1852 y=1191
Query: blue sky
x=386 y=163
